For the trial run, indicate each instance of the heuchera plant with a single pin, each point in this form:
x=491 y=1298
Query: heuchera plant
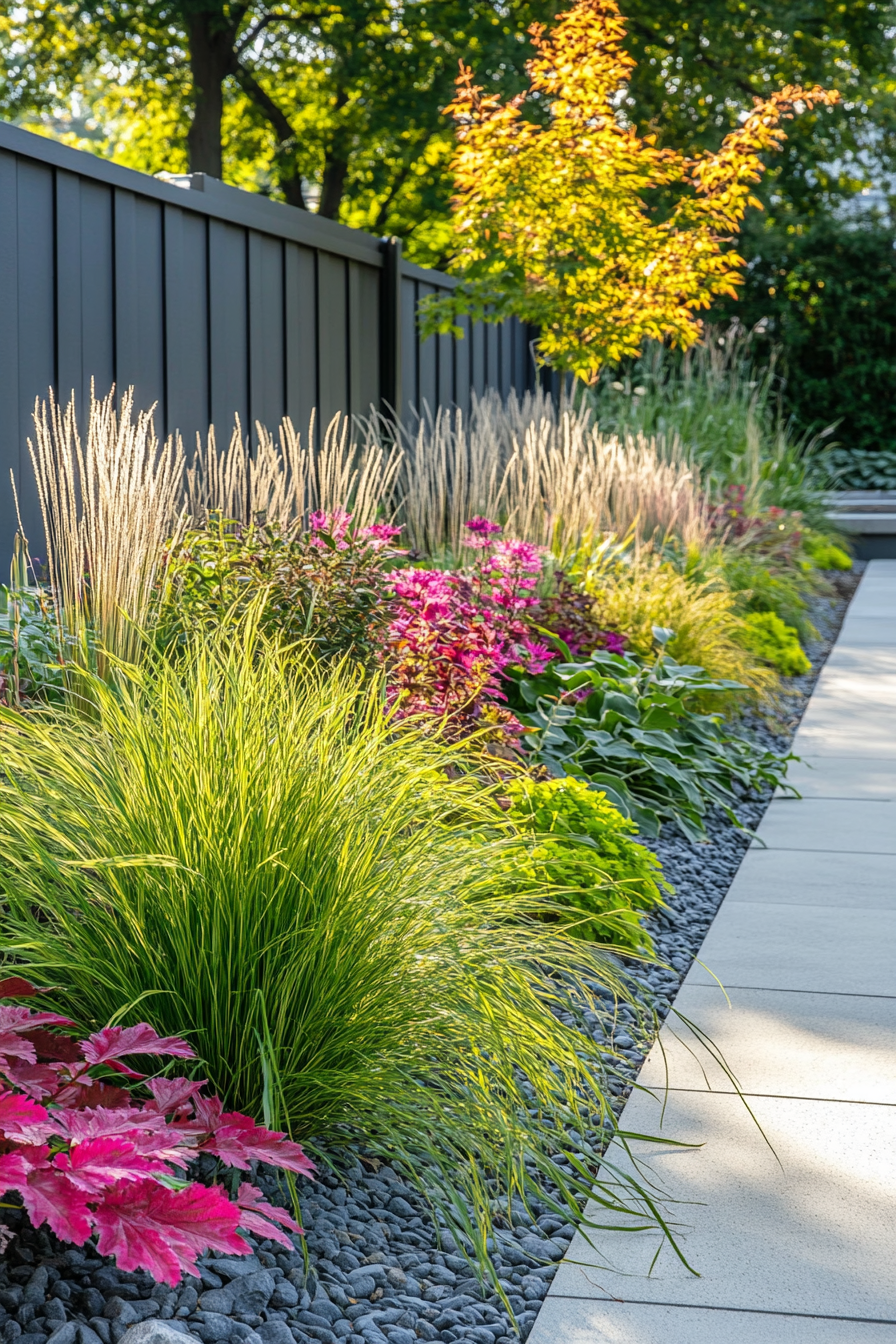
x=89 y=1160
x=453 y=634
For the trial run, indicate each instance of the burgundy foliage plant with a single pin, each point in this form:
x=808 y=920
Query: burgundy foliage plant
x=90 y=1159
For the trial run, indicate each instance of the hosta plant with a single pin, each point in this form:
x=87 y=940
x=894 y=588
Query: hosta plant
x=632 y=728
x=90 y=1160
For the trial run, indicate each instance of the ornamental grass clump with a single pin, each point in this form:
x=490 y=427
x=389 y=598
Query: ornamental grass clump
x=252 y=847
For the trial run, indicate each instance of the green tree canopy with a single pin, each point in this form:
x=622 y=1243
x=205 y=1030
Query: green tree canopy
x=345 y=98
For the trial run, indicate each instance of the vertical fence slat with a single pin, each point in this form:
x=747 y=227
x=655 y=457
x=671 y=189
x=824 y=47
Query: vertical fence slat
x=492 y=355
x=186 y=325
x=332 y=317
x=477 y=358
x=446 y=393
x=97 y=290
x=462 y=366
x=505 y=346
x=409 y=349
x=10 y=435
x=140 y=303
x=428 y=388
x=36 y=329
x=227 y=329
x=364 y=338
x=266 y=363
x=69 y=328
x=301 y=335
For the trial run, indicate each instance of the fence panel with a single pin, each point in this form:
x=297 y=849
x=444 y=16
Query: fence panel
x=211 y=302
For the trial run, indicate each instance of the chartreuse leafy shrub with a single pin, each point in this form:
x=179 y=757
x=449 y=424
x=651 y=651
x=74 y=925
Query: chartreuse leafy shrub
x=633 y=729
x=776 y=643
x=761 y=590
x=254 y=847
x=825 y=553
x=92 y=1160
x=325 y=585
x=584 y=846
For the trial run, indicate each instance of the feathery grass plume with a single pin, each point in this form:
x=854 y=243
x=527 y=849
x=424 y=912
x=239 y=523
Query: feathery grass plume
x=108 y=506
x=551 y=480
x=284 y=481
x=329 y=900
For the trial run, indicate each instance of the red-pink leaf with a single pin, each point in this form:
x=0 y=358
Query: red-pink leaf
x=13 y=1172
x=53 y=1047
x=255 y=1213
x=99 y=1122
x=13 y=1018
x=97 y=1163
x=85 y=1092
x=237 y=1140
x=108 y=1045
x=147 y=1130
x=38 y=1080
x=50 y=1197
x=171 y=1094
x=22 y=1120
x=14 y=987
x=147 y=1226
x=208 y=1112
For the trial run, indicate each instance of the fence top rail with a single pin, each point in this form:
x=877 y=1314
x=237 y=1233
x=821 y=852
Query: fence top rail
x=206 y=196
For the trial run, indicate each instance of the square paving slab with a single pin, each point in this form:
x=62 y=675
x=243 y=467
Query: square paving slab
x=869 y=731
x=802 y=877
x=834 y=1047
x=761 y=945
x=858 y=631
x=571 y=1321
x=843 y=777
x=864 y=826
x=808 y=1228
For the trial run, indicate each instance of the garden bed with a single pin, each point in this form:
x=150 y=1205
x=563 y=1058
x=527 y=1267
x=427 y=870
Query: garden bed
x=375 y=1271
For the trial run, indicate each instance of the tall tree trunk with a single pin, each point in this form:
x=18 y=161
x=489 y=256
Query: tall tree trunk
x=211 y=59
x=335 y=173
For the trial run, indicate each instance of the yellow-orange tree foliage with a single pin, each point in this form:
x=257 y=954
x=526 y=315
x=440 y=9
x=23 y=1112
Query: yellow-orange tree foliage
x=554 y=222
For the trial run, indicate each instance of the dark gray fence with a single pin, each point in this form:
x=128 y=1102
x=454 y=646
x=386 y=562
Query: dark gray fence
x=210 y=301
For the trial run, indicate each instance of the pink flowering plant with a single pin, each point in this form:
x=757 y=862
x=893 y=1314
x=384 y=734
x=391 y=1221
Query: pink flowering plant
x=89 y=1160
x=453 y=634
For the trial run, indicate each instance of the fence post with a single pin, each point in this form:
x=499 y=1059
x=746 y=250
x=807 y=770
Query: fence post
x=390 y=339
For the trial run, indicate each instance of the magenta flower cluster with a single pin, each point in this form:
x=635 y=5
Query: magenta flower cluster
x=89 y=1160
x=453 y=634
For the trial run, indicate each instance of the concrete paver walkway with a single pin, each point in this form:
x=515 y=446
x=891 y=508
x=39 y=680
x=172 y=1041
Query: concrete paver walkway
x=799 y=1246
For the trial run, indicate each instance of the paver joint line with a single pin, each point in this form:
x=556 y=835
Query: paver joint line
x=781 y=1096
x=778 y=989
x=741 y=1311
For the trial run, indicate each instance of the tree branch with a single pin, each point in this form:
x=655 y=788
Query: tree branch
x=290 y=179
x=652 y=39
x=266 y=20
